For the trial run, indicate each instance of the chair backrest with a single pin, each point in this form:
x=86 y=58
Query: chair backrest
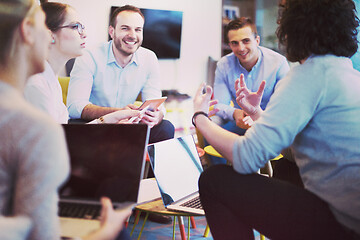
x=64 y=83
x=211 y=67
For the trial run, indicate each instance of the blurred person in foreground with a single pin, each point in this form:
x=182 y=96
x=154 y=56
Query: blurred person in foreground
x=34 y=160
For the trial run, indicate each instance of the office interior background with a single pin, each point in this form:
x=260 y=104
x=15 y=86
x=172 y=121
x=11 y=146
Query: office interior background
x=201 y=34
x=202 y=40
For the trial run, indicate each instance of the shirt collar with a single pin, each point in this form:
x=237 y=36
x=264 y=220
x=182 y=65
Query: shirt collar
x=111 y=56
x=257 y=64
x=49 y=72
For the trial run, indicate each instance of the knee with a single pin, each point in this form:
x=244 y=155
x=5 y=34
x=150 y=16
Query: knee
x=163 y=131
x=206 y=175
x=167 y=128
x=204 y=183
x=209 y=176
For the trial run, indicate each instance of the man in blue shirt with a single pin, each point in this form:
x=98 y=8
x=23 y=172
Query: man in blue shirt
x=254 y=62
x=111 y=76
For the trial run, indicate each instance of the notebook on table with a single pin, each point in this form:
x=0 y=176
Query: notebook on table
x=177 y=168
x=106 y=160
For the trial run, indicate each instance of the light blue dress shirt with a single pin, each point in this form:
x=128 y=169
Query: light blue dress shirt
x=98 y=79
x=270 y=67
x=316 y=110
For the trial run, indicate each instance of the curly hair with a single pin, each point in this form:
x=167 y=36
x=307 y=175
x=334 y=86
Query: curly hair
x=240 y=23
x=317 y=27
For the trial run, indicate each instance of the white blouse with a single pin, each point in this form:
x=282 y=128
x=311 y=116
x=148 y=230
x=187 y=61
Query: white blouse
x=43 y=90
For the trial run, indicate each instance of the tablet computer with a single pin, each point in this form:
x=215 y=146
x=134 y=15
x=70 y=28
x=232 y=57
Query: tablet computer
x=152 y=104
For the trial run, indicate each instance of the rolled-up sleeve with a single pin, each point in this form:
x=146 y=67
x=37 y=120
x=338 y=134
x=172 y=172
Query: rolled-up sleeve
x=225 y=111
x=151 y=88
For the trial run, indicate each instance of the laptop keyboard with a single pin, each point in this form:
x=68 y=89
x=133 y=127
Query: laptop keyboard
x=75 y=210
x=193 y=203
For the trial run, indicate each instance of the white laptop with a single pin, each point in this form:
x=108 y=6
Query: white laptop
x=177 y=168
x=106 y=160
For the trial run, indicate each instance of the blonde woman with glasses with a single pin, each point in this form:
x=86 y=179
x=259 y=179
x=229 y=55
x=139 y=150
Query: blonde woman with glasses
x=33 y=157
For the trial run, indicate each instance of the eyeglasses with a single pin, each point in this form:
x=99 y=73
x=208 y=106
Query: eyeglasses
x=75 y=26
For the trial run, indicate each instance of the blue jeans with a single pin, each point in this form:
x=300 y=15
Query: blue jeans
x=163 y=131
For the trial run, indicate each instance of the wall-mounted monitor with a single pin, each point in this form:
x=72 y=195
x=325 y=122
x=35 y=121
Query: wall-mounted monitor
x=162 y=32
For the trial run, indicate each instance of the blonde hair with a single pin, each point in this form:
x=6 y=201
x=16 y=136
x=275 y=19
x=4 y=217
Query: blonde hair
x=12 y=14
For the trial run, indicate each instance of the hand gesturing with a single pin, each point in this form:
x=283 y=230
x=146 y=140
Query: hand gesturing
x=202 y=101
x=247 y=100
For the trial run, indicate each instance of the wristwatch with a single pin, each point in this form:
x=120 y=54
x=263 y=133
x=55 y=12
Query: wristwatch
x=198 y=113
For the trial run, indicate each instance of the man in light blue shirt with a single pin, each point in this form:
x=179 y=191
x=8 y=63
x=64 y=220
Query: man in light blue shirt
x=254 y=62
x=110 y=77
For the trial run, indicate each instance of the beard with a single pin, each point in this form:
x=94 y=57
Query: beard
x=120 y=46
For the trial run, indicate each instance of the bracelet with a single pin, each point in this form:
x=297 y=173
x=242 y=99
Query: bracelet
x=198 y=113
x=101 y=120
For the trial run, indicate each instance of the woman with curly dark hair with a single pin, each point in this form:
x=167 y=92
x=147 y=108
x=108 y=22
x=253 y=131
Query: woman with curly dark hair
x=315 y=109
x=306 y=28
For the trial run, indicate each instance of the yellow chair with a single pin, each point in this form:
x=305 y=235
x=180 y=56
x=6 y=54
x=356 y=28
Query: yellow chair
x=211 y=151
x=64 y=83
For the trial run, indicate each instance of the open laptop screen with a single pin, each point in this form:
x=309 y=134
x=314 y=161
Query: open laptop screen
x=176 y=166
x=106 y=160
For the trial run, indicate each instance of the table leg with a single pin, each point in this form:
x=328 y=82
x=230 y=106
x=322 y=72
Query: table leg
x=137 y=216
x=207 y=230
x=127 y=222
x=182 y=228
x=193 y=224
x=174 y=224
x=143 y=225
x=188 y=236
